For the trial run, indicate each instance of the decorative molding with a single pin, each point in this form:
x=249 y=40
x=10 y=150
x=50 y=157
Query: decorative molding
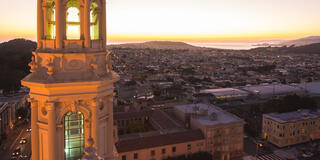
x=80 y=105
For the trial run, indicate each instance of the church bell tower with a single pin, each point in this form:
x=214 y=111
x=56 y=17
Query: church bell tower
x=71 y=81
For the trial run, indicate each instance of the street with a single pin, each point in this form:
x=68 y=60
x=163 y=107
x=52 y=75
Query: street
x=13 y=142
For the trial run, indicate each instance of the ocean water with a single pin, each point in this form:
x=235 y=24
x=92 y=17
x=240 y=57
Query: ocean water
x=219 y=45
x=227 y=45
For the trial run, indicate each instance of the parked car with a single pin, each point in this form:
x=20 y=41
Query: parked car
x=23 y=141
x=28 y=129
x=16 y=152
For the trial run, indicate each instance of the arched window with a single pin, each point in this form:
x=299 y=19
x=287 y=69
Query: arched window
x=94 y=21
x=73 y=23
x=50 y=21
x=73 y=135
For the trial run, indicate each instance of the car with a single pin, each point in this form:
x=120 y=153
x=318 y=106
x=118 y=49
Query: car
x=28 y=129
x=23 y=141
x=13 y=158
x=23 y=156
x=16 y=152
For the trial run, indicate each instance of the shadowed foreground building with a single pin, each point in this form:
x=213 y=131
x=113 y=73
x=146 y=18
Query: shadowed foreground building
x=158 y=146
x=71 y=84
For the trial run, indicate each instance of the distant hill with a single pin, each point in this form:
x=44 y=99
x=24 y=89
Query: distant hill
x=306 y=49
x=14 y=58
x=157 y=45
x=301 y=41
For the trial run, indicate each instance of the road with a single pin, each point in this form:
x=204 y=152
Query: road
x=14 y=142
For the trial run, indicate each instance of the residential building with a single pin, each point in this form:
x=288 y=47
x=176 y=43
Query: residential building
x=223 y=131
x=8 y=108
x=158 y=146
x=226 y=93
x=285 y=129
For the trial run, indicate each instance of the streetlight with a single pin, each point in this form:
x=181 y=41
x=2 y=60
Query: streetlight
x=257 y=149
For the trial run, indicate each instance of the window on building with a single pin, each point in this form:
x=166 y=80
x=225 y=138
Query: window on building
x=74 y=135
x=189 y=146
x=135 y=156
x=174 y=149
x=153 y=153
x=163 y=151
x=124 y=157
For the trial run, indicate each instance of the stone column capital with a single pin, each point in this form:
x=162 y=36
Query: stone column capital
x=50 y=106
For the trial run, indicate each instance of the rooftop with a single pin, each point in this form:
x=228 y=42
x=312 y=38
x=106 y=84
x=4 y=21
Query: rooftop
x=272 y=89
x=224 y=91
x=293 y=116
x=313 y=88
x=157 y=139
x=13 y=98
x=207 y=114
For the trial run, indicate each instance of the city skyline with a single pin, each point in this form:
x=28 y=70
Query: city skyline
x=204 y=21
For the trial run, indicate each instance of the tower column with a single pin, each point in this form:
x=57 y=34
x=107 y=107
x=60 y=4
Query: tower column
x=45 y=22
x=104 y=23
x=59 y=24
x=34 y=129
x=52 y=132
x=94 y=122
x=40 y=24
x=86 y=23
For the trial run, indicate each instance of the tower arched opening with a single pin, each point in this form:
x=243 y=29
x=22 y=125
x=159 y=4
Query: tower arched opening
x=50 y=21
x=94 y=21
x=73 y=135
x=73 y=20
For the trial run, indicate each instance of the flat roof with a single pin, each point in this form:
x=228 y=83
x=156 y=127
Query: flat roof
x=293 y=116
x=14 y=98
x=224 y=91
x=208 y=114
x=156 y=140
x=313 y=88
x=272 y=89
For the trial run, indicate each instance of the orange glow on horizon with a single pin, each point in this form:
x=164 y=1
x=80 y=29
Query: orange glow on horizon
x=184 y=20
x=123 y=38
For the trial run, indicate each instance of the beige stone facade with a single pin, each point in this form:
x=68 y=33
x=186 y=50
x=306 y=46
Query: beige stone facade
x=285 y=129
x=223 y=131
x=71 y=84
x=224 y=141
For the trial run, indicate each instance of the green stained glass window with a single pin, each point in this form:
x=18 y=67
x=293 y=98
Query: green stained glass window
x=73 y=135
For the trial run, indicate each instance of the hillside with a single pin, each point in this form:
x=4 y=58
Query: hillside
x=306 y=49
x=301 y=41
x=157 y=45
x=14 y=58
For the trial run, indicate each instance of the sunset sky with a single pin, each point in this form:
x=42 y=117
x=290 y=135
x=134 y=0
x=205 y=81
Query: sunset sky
x=184 y=20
